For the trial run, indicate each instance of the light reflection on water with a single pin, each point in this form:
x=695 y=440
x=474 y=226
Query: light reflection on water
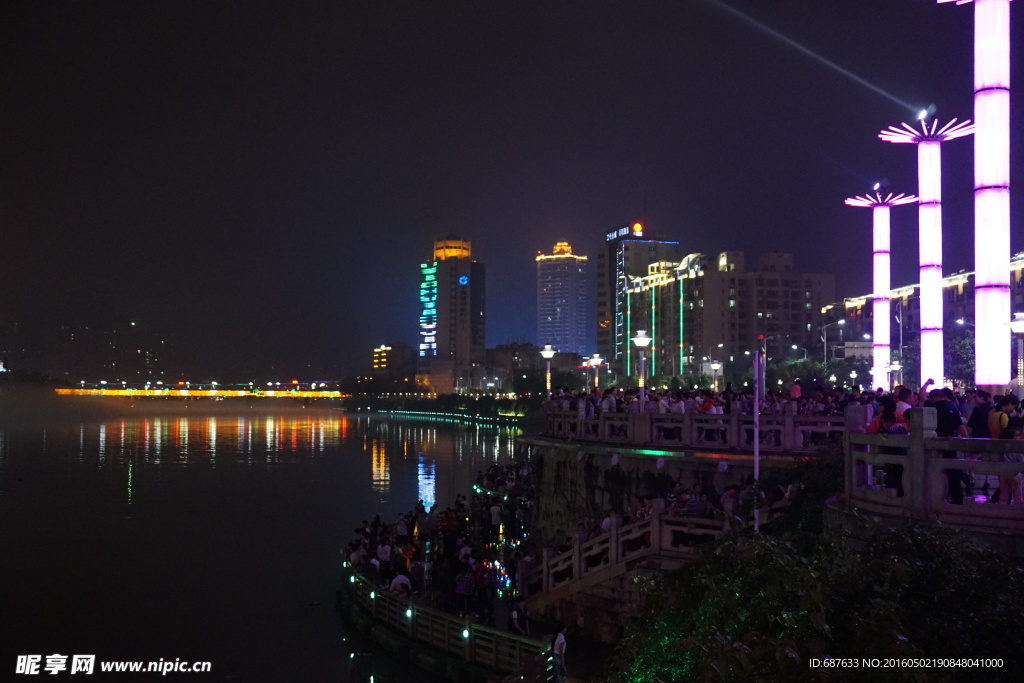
x=439 y=457
x=215 y=511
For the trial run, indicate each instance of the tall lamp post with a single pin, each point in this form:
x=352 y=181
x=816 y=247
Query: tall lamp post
x=715 y=367
x=824 y=336
x=642 y=341
x=992 y=302
x=882 y=289
x=547 y=353
x=1017 y=325
x=595 y=362
x=929 y=185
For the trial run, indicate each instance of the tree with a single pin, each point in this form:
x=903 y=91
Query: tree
x=758 y=607
x=959 y=354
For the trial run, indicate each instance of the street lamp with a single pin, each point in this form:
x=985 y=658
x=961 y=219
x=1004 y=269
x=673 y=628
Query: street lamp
x=1017 y=325
x=595 y=362
x=824 y=335
x=547 y=353
x=715 y=367
x=853 y=377
x=896 y=369
x=642 y=341
x=800 y=348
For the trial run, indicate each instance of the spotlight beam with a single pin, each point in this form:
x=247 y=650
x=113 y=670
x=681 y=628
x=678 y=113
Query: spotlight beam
x=786 y=40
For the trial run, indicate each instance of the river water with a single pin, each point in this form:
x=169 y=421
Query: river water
x=210 y=538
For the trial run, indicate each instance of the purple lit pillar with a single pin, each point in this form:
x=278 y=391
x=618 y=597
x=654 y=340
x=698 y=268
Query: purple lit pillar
x=991 y=190
x=880 y=312
x=929 y=181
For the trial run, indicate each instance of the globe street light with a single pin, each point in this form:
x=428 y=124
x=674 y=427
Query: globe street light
x=547 y=353
x=715 y=367
x=897 y=372
x=642 y=341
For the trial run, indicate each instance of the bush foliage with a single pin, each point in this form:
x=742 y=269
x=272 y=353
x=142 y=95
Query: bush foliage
x=759 y=607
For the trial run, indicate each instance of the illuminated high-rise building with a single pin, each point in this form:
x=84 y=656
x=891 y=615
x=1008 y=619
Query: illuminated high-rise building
x=562 y=299
x=712 y=307
x=452 y=314
x=626 y=257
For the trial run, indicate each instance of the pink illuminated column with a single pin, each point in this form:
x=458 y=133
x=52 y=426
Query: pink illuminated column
x=991 y=190
x=880 y=312
x=929 y=185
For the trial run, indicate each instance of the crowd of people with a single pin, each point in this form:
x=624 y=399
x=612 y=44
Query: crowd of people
x=461 y=558
x=971 y=413
x=820 y=400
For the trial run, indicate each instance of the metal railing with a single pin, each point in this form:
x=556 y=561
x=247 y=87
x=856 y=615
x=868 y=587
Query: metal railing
x=783 y=432
x=489 y=647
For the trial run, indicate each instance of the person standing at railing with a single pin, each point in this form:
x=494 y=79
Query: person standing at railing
x=891 y=421
x=904 y=396
x=977 y=421
x=1009 y=485
x=999 y=416
x=558 y=652
x=611 y=521
x=949 y=424
x=519 y=618
x=609 y=402
x=729 y=501
x=795 y=391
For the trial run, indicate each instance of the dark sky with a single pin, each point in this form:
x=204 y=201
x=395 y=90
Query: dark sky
x=262 y=179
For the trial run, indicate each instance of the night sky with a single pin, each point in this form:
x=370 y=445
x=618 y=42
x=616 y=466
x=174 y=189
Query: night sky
x=261 y=180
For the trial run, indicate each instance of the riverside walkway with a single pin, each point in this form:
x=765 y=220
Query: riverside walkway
x=785 y=432
x=925 y=465
x=453 y=646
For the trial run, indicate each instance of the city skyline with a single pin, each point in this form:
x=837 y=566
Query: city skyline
x=264 y=183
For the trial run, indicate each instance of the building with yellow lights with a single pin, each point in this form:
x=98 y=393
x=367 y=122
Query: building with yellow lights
x=562 y=299
x=393 y=363
x=626 y=254
x=453 y=318
x=706 y=308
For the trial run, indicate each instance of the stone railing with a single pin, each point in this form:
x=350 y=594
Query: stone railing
x=922 y=467
x=456 y=636
x=734 y=431
x=661 y=535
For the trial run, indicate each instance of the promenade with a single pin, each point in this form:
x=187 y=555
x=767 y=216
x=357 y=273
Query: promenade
x=787 y=432
x=923 y=465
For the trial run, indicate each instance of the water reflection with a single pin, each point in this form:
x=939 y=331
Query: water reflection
x=195 y=499
x=403 y=460
x=426 y=474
